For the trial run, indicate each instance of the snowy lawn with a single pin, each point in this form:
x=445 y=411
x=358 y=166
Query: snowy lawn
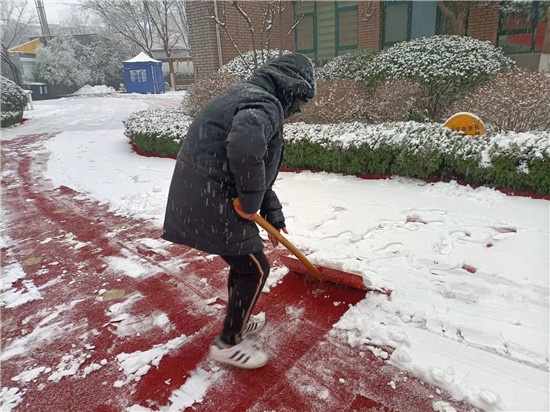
x=468 y=268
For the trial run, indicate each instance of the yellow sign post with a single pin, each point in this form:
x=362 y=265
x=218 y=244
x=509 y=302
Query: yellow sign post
x=466 y=123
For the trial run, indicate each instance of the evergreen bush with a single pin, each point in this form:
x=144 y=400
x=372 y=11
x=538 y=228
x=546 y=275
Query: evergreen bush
x=347 y=66
x=157 y=132
x=445 y=66
x=13 y=102
x=244 y=65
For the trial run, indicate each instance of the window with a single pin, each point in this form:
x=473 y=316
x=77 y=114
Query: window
x=346 y=23
x=138 y=76
x=522 y=31
x=406 y=20
x=326 y=28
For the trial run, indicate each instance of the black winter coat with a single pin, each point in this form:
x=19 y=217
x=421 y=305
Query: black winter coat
x=234 y=149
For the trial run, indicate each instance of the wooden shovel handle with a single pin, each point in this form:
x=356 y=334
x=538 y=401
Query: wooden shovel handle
x=284 y=241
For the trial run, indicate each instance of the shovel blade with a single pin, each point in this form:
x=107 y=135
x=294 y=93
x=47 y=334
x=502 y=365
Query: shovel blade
x=329 y=275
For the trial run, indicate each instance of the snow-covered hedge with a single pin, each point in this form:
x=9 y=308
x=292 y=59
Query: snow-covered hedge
x=348 y=65
x=518 y=161
x=13 y=102
x=445 y=66
x=157 y=132
x=243 y=67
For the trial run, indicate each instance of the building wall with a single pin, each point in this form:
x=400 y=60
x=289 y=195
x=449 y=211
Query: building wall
x=370 y=25
x=238 y=28
x=483 y=23
x=203 y=37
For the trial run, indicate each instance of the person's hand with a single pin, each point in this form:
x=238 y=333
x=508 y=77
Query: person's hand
x=274 y=241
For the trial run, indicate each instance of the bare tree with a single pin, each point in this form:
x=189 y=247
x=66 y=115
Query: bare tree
x=78 y=22
x=127 y=18
x=170 y=23
x=178 y=15
x=260 y=38
x=15 y=17
x=161 y=16
x=273 y=12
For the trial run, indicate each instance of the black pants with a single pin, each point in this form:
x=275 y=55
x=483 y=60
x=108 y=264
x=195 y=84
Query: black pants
x=247 y=277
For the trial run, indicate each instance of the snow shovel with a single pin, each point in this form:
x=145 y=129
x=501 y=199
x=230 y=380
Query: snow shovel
x=303 y=265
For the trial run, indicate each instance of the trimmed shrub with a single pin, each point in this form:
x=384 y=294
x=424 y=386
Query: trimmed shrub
x=517 y=161
x=446 y=67
x=332 y=103
x=157 y=132
x=347 y=66
x=204 y=89
x=13 y=102
x=243 y=66
x=517 y=100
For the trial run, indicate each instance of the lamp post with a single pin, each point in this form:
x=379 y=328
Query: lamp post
x=43 y=20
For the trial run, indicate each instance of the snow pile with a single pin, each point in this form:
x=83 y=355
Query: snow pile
x=90 y=90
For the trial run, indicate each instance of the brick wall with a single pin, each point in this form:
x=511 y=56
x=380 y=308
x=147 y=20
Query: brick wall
x=238 y=29
x=203 y=40
x=483 y=23
x=370 y=27
x=202 y=37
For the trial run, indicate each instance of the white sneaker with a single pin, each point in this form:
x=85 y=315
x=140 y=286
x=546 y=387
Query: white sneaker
x=246 y=355
x=255 y=324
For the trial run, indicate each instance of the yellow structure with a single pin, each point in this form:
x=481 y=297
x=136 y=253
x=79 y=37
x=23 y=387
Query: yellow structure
x=28 y=47
x=466 y=123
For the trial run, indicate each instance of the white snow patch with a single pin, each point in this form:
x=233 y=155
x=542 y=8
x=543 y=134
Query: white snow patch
x=88 y=90
x=136 y=364
x=10 y=398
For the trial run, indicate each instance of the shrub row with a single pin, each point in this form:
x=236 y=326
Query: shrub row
x=157 y=132
x=517 y=161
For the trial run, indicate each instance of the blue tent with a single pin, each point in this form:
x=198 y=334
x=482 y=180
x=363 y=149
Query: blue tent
x=142 y=74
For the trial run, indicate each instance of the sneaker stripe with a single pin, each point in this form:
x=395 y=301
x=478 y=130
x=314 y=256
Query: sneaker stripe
x=235 y=354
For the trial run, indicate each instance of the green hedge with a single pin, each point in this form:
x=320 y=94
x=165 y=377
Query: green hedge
x=517 y=161
x=157 y=132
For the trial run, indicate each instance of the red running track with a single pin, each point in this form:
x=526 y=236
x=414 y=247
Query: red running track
x=68 y=247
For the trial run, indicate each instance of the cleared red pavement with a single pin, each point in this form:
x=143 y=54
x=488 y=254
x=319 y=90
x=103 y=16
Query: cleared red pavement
x=65 y=242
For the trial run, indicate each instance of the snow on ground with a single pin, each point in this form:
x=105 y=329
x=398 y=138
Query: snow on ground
x=94 y=90
x=468 y=268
